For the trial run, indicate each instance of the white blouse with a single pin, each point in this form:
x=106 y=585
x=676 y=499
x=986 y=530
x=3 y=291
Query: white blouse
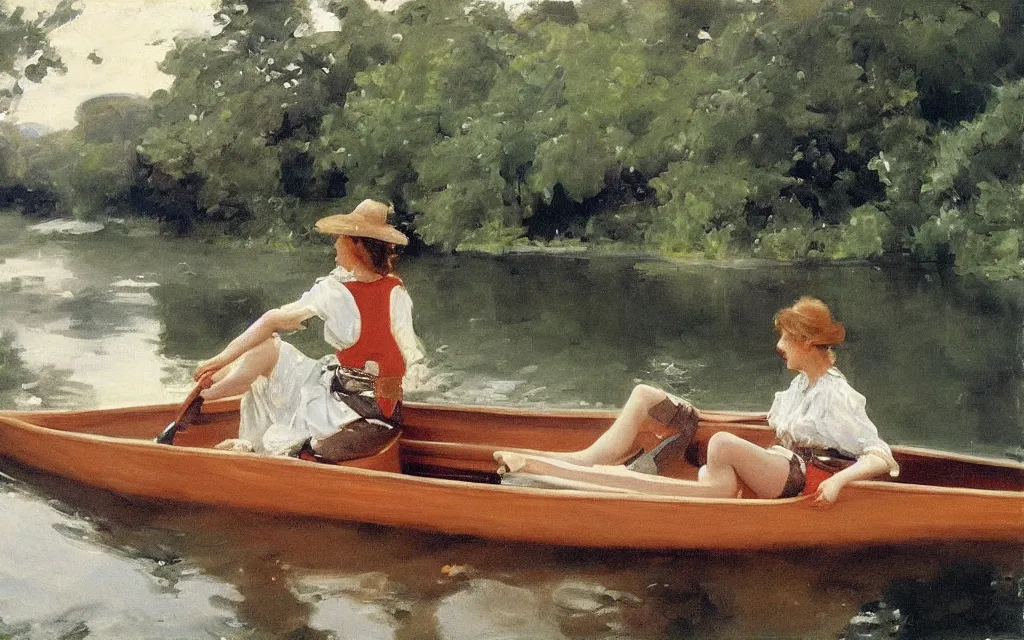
x=827 y=414
x=333 y=303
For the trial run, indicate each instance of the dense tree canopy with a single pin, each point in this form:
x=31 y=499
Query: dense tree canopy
x=789 y=129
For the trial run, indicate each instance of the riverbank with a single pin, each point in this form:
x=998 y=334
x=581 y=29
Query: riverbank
x=11 y=221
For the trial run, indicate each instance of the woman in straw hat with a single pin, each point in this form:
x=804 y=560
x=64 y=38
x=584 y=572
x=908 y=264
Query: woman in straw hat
x=826 y=439
x=344 y=405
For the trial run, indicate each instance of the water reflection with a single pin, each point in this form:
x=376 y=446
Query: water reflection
x=172 y=570
x=69 y=328
x=177 y=571
x=198 y=319
x=54 y=583
x=112 y=320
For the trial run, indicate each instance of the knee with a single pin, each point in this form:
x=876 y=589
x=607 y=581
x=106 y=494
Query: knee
x=646 y=395
x=263 y=357
x=719 y=446
x=266 y=351
x=270 y=346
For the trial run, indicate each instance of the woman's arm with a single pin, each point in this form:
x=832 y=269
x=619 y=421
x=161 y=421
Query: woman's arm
x=844 y=424
x=287 y=318
x=867 y=466
x=401 y=326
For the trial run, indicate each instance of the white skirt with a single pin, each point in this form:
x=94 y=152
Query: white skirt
x=293 y=405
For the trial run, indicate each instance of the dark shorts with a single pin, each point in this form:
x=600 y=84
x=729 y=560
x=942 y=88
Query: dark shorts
x=796 y=480
x=819 y=465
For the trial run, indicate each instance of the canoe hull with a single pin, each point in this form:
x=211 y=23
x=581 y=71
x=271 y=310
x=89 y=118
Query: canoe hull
x=867 y=513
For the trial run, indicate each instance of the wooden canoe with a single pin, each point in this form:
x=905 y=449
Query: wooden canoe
x=447 y=482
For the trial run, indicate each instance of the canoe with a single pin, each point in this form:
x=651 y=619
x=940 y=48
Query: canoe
x=440 y=477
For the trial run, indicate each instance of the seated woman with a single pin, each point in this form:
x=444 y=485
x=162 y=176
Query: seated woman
x=344 y=405
x=819 y=415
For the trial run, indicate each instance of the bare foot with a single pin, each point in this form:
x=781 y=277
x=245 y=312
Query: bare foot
x=509 y=462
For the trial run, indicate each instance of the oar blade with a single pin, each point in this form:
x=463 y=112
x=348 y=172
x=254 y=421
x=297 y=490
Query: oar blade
x=167 y=435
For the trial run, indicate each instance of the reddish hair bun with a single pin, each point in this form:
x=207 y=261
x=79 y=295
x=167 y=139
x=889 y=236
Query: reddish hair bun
x=810 y=320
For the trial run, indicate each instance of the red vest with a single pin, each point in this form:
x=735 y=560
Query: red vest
x=376 y=342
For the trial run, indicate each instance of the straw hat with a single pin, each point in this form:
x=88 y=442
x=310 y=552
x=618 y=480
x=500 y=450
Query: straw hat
x=368 y=220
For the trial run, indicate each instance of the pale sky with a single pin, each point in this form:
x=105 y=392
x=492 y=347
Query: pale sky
x=131 y=37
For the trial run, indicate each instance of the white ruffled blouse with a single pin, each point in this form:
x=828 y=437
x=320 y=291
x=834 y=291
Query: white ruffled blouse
x=282 y=411
x=333 y=303
x=827 y=414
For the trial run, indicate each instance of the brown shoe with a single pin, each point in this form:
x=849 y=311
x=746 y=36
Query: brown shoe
x=677 y=414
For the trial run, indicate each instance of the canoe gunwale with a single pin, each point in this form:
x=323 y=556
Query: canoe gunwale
x=231 y=405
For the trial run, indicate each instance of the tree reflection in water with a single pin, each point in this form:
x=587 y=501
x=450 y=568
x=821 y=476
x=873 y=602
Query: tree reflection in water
x=297 y=577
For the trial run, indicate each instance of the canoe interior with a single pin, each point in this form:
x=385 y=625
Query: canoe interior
x=457 y=442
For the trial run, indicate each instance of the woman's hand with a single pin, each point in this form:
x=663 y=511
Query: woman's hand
x=828 y=491
x=867 y=466
x=208 y=368
x=287 y=318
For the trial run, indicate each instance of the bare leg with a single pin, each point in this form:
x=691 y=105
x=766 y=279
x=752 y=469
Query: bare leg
x=239 y=376
x=729 y=458
x=613 y=445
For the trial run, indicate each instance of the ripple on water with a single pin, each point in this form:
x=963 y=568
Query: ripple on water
x=490 y=609
x=367 y=605
x=67 y=225
x=53 y=583
x=36 y=274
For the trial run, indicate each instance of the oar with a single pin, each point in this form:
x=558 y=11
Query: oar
x=189 y=410
x=732 y=417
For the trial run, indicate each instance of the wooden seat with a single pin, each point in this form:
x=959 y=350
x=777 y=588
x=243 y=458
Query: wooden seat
x=387 y=459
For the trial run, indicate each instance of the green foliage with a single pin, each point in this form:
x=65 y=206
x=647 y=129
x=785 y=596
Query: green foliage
x=627 y=225
x=25 y=55
x=976 y=181
x=246 y=106
x=604 y=95
x=704 y=205
x=90 y=168
x=865 y=235
x=12 y=160
x=112 y=118
x=25 y=51
x=798 y=129
x=462 y=189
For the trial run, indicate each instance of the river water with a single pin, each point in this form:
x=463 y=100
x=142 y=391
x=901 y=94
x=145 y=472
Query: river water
x=120 y=317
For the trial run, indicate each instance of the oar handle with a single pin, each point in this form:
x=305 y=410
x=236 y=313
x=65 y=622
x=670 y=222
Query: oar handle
x=180 y=422
x=187 y=403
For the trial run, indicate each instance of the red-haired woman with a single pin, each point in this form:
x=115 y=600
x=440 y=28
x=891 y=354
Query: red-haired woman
x=344 y=405
x=820 y=416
